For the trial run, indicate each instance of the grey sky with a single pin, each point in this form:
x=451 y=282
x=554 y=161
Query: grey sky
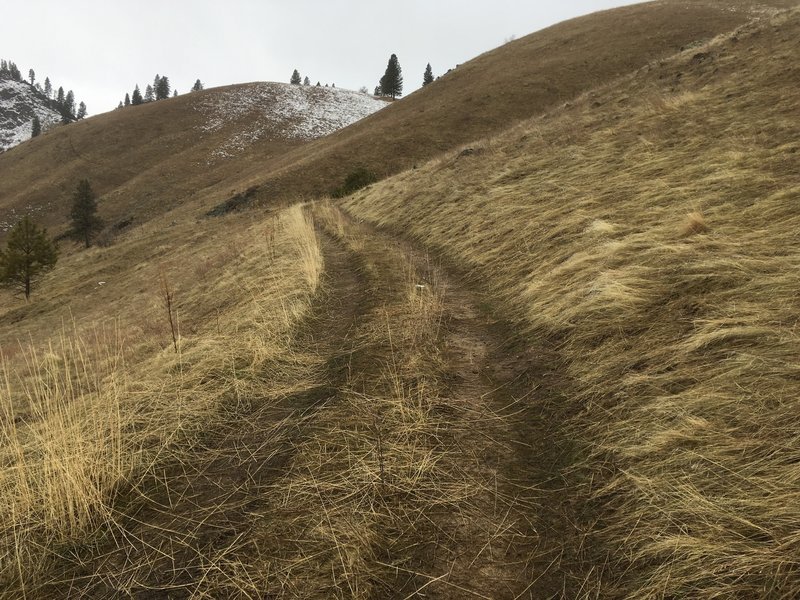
x=101 y=48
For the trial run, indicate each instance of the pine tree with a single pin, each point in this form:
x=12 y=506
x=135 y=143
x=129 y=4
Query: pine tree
x=148 y=93
x=32 y=76
x=81 y=111
x=378 y=91
x=428 y=76
x=306 y=81
x=174 y=93
x=36 y=127
x=163 y=88
x=392 y=80
x=198 y=86
x=127 y=99
x=60 y=98
x=69 y=106
x=136 y=98
x=295 y=80
x=15 y=74
x=85 y=222
x=48 y=87
x=29 y=253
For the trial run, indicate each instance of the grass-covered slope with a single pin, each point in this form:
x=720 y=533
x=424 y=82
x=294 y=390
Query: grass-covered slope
x=194 y=149
x=513 y=82
x=648 y=232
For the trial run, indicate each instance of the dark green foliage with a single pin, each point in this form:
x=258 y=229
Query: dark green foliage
x=28 y=254
x=81 y=111
x=85 y=222
x=48 y=87
x=136 y=98
x=149 y=94
x=392 y=81
x=127 y=99
x=306 y=81
x=32 y=76
x=428 y=76
x=198 y=86
x=36 y=127
x=361 y=177
x=162 y=87
x=295 y=80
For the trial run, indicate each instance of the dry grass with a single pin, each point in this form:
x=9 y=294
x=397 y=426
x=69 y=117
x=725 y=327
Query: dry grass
x=680 y=349
x=96 y=409
x=377 y=484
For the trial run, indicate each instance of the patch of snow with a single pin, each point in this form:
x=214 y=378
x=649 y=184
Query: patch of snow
x=19 y=103
x=280 y=111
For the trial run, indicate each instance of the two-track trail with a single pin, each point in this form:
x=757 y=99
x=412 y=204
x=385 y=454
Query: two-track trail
x=419 y=457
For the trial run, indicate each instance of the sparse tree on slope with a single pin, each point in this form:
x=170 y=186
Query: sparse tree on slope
x=60 y=98
x=295 y=80
x=85 y=222
x=198 y=86
x=174 y=93
x=136 y=98
x=32 y=76
x=48 y=87
x=149 y=96
x=28 y=254
x=392 y=80
x=306 y=81
x=428 y=76
x=162 y=89
x=81 y=111
x=127 y=99
x=36 y=127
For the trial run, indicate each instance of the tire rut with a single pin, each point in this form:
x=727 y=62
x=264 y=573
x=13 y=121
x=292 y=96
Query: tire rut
x=195 y=515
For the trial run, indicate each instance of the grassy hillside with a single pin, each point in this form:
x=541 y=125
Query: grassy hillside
x=193 y=149
x=147 y=159
x=514 y=82
x=647 y=233
x=95 y=399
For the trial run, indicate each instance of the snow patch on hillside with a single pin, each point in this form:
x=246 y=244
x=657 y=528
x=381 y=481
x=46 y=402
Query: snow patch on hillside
x=281 y=111
x=19 y=103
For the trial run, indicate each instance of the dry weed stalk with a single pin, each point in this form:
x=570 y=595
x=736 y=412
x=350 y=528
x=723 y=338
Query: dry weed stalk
x=167 y=295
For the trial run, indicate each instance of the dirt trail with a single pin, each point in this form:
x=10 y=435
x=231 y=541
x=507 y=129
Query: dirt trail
x=421 y=459
x=519 y=537
x=192 y=523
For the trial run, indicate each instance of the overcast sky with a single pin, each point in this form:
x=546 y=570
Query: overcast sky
x=102 y=48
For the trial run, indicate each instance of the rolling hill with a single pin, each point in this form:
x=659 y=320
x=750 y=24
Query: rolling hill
x=148 y=159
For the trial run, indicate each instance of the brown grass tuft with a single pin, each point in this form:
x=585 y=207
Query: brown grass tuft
x=694 y=224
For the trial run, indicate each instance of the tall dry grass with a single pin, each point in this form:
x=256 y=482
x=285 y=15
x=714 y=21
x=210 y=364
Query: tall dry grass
x=654 y=245
x=94 y=410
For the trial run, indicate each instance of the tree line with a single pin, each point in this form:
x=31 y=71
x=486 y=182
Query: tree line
x=390 y=85
x=160 y=89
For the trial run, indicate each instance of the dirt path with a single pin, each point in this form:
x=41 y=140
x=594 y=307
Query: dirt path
x=190 y=529
x=420 y=458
